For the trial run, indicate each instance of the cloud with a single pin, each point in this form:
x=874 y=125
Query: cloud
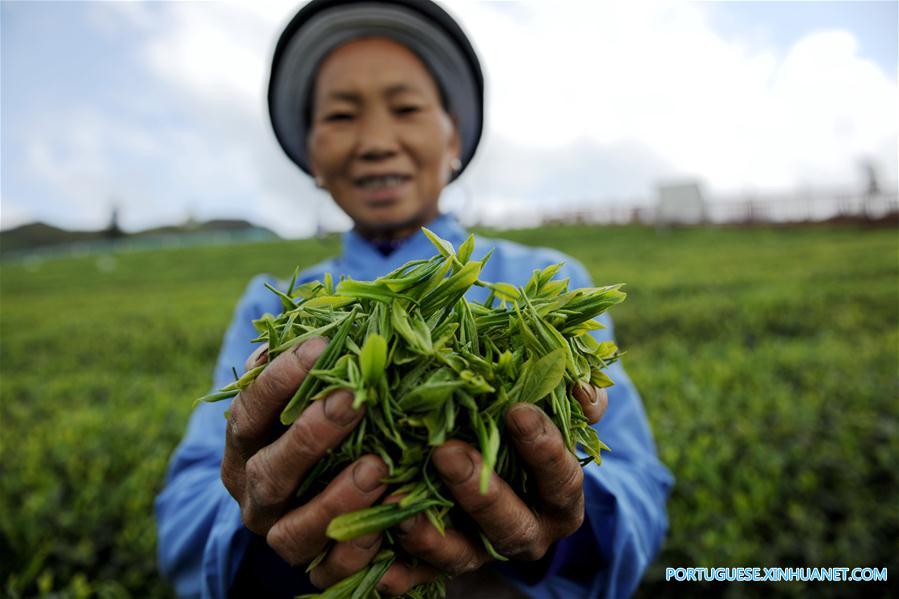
x=659 y=76
x=828 y=109
x=215 y=61
x=13 y=214
x=70 y=153
x=587 y=101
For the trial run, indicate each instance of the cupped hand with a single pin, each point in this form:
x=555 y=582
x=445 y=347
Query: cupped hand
x=513 y=528
x=264 y=465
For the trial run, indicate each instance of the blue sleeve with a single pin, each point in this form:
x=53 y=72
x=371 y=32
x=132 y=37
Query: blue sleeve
x=625 y=508
x=201 y=538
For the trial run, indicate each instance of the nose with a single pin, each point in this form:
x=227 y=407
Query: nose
x=377 y=137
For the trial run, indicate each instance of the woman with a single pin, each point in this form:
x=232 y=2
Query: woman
x=381 y=102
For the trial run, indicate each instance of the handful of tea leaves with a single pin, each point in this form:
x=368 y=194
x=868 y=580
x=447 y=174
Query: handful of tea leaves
x=430 y=366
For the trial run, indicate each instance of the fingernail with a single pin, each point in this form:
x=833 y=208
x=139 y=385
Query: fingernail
x=262 y=357
x=454 y=464
x=338 y=407
x=590 y=392
x=310 y=349
x=367 y=541
x=367 y=476
x=408 y=524
x=527 y=423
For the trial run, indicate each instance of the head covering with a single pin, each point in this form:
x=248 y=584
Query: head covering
x=420 y=25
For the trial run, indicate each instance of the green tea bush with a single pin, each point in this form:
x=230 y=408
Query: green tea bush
x=767 y=360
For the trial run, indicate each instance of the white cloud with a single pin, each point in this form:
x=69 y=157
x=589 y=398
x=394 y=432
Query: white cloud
x=586 y=100
x=13 y=214
x=217 y=53
x=69 y=153
x=215 y=59
x=658 y=75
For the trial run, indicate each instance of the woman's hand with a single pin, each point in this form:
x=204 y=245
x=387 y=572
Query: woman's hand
x=263 y=466
x=513 y=528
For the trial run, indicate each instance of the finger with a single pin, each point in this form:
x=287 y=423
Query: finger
x=245 y=426
x=344 y=559
x=509 y=524
x=452 y=552
x=556 y=473
x=255 y=410
x=274 y=472
x=401 y=577
x=300 y=534
x=593 y=400
x=257 y=358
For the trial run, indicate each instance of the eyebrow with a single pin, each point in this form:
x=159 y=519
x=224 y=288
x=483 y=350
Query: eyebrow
x=399 y=88
x=355 y=98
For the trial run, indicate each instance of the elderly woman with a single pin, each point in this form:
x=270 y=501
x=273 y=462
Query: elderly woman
x=381 y=102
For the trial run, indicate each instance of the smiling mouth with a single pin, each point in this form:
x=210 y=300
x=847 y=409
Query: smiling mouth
x=379 y=182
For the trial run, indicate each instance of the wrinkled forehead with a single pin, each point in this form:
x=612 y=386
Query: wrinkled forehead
x=374 y=63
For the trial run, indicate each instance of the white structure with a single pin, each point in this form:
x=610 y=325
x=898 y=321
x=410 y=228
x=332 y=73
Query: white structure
x=680 y=204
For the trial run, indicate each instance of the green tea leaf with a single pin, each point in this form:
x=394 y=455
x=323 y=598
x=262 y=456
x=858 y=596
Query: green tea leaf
x=451 y=289
x=504 y=291
x=542 y=376
x=329 y=301
x=436 y=520
x=589 y=441
x=431 y=394
x=319 y=332
x=373 y=359
x=412 y=328
x=465 y=250
x=489 y=435
x=491 y=551
x=288 y=302
x=370 y=290
x=327 y=358
x=600 y=379
x=293 y=281
x=443 y=246
x=373 y=519
x=216 y=396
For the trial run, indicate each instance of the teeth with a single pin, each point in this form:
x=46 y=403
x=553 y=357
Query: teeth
x=380 y=182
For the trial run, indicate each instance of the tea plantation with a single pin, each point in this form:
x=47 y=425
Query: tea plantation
x=768 y=360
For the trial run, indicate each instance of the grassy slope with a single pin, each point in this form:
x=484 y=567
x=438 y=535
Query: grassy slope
x=767 y=360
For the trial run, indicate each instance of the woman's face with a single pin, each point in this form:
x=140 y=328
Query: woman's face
x=380 y=141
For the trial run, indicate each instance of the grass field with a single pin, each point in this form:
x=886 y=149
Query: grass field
x=767 y=360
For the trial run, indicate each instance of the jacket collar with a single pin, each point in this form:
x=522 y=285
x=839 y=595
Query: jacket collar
x=361 y=260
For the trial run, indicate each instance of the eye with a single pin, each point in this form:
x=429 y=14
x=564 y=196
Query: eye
x=407 y=109
x=338 y=116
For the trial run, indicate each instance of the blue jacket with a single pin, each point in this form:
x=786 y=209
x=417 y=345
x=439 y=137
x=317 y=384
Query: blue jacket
x=205 y=550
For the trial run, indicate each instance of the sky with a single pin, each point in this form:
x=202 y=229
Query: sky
x=159 y=107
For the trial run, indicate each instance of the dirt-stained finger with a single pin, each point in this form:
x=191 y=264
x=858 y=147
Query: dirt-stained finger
x=344 y=559
x=274 y=473
x=511 y=526
x=555 y=472
x=401 y=577
x=593 y=400
x=255 y=411
x=299 y=535
x=452 y=552
x=257 y=358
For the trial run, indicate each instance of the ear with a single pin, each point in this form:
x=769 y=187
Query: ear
x=455 y=140
x=313 y=172
x=310 y=160
x=454 y=148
